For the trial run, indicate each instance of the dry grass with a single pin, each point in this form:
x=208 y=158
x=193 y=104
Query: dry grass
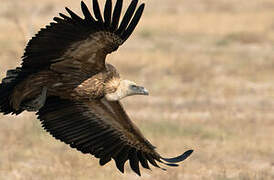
x=209 y=66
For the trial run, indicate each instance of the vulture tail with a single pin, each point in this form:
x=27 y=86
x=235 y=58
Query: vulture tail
x=6 y=88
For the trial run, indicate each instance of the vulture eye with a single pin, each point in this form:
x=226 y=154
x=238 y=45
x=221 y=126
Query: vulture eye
x=133 y=87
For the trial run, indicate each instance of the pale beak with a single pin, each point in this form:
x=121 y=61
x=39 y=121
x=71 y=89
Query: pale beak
x=143 y=91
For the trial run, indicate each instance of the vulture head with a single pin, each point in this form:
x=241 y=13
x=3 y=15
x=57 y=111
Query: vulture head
x=125 y=88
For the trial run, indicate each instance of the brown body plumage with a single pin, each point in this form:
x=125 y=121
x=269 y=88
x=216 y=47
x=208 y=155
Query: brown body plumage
x=64 y=77
x=94 y=87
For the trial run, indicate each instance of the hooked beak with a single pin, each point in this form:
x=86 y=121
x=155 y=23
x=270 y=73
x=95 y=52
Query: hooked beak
x=143 y=91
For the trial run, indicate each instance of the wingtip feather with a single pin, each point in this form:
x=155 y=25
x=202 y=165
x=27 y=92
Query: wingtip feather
x=97 y=11
x=127 y=16
x=86 y=12
x=108 y=12
x=134 y=22
x=178 y=158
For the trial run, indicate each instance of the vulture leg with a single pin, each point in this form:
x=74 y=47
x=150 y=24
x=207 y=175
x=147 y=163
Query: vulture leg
x=37 y=103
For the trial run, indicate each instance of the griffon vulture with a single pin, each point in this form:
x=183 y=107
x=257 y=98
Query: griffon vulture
x=64 y=77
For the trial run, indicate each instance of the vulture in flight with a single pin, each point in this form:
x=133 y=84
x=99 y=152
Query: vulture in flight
x=65 y=79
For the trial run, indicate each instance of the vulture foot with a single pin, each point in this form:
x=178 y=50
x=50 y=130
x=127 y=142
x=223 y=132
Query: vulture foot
x=37 y=103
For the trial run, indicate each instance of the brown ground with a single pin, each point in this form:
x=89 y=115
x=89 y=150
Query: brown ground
x=209 y=66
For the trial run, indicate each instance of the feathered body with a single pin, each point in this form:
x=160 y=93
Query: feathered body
x=64 y=77
x=94 y=87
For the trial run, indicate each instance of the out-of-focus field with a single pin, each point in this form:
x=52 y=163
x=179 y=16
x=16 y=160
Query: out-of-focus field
x=209 y=66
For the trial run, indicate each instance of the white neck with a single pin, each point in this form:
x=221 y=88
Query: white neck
x=117 y=95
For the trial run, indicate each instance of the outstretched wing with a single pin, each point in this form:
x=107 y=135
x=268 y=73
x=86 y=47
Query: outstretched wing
x=81 y=44
x=102 y=129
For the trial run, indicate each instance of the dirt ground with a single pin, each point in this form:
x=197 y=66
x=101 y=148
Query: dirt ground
x=209 y=67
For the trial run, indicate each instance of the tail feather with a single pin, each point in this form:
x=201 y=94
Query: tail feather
x=6 y=88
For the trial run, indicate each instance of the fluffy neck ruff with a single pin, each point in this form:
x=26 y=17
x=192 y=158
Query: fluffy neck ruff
x=121 y=90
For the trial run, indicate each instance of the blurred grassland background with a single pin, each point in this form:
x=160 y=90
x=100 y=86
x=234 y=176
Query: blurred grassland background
x=209 y=66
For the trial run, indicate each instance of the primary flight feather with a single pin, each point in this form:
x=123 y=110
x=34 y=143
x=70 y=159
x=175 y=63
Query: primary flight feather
x=64 y=77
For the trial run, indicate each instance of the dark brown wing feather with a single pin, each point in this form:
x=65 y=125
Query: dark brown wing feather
x=87 y=40
x=100 y=128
